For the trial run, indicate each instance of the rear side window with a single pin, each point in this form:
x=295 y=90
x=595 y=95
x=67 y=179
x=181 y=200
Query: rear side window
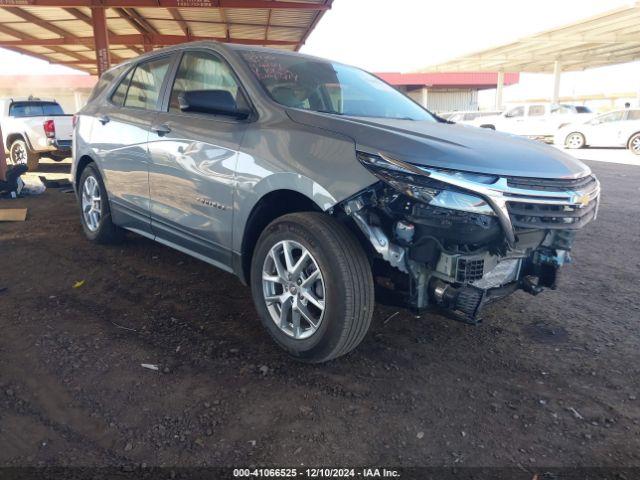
x=536 y=110
x=146 y=84
x=34 y=109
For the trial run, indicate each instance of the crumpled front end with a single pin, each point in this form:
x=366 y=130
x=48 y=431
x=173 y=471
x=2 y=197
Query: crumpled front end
x=458 y=240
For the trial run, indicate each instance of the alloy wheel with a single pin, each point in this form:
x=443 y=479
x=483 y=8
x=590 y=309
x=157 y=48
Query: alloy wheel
x=635 y=145
x=575 y=140
x=294 y=289
x=18 y=154
x=91 y=203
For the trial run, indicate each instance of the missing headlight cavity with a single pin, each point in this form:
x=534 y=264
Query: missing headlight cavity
x=423 y=241
x=458 y=240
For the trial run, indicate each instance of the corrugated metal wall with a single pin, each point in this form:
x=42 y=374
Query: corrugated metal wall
x=451 y=100
x=445 y=100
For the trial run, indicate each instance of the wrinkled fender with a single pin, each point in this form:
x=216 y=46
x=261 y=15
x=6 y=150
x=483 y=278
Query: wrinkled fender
x=248 y=198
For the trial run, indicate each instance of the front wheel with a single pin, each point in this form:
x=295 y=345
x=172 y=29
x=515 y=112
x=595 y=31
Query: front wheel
x=634 y=144
x=575 y=140
x=312 y=285
x=20 y=153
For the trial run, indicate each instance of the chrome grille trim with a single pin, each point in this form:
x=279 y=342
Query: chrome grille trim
x=500 y=195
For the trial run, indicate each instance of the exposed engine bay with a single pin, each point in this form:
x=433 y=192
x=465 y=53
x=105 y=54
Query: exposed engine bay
x=456 y=241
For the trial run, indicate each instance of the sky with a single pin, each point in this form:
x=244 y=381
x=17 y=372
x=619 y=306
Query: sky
x=407 y=35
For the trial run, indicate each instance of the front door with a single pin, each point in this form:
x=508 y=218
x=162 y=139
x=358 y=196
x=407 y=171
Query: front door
x=603 y=130
x=193 y=163
x=120 y=137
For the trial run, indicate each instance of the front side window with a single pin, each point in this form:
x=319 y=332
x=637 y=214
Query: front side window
x=203 y=71
x=515 y=112
x=609 y=117
x=146 y=84
x=322 y=86
x=633 y=115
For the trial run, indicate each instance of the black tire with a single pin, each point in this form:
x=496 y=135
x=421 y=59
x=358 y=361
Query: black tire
x=488 y=127
x=19 y=152
x=634 y=144
x=348 y=290
x=575 y=140
x=107 y=232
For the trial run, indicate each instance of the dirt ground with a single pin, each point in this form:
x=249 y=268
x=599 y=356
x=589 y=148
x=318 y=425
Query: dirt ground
x=552 y=380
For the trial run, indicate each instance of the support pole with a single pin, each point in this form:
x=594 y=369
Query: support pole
x=499 y=89
x=3 y=158
x=557 y=72
x=101 y=39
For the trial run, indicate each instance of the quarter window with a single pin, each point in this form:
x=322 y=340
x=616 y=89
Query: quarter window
x=203 y=71
x=146 y=84
x=117 y=98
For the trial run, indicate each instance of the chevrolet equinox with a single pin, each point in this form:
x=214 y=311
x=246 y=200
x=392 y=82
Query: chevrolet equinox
x=318 y=184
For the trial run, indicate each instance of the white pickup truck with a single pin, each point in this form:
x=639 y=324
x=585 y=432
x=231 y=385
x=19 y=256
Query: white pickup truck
x=536 y=120
x=33 y=128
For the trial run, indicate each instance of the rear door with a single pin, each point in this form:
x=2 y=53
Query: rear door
x=120 y=136
x=193 y=162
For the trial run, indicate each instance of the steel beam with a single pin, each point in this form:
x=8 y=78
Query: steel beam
x=557 y=73
x=101 y=39
x=139 y=39
x=499 y=89
x=242 y=4
x=3 y=159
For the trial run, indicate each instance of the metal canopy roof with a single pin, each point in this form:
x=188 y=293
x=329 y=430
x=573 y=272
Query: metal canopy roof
x=605 y=39
x=64 y=31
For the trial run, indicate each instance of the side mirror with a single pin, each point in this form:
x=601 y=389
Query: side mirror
x=214 y=102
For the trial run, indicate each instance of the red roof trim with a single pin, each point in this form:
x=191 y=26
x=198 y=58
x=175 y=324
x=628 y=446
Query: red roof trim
x=450 y=80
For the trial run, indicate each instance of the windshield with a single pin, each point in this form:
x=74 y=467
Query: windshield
x=323 y=86
x=34 y=109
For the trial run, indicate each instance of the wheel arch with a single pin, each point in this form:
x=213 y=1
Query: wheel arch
x=81 y=165
x=631 y=138
x=272 y=205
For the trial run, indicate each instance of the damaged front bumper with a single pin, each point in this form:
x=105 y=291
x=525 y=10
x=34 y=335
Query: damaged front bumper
x=429 y=256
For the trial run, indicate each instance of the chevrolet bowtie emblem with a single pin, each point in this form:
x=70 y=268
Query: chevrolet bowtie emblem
x=583 y=200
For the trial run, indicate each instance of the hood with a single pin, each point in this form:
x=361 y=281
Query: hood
x=449 y=146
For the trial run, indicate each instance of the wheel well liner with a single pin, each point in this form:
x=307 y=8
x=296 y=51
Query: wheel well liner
x=273 y=205
x=82 y=164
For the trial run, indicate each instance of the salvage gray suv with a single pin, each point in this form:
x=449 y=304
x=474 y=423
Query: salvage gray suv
x=317 y=184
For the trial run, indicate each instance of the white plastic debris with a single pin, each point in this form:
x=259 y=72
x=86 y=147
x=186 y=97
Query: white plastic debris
x=150 y=366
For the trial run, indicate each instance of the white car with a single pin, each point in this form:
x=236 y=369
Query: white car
x=537 y=120
x=620 y=128
x=33 y=128
x=471 y=117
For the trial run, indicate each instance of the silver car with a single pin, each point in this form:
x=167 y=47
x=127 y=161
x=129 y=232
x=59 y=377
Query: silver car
x=318 y=184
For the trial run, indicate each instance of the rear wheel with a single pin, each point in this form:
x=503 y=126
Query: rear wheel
x=634 y=144
x=575 y=140
x=95 y=213
x=20 y=153
x=312 y=286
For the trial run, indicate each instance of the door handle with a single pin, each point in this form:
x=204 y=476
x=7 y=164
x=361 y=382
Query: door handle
x=104 y=119
x=161 y=130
